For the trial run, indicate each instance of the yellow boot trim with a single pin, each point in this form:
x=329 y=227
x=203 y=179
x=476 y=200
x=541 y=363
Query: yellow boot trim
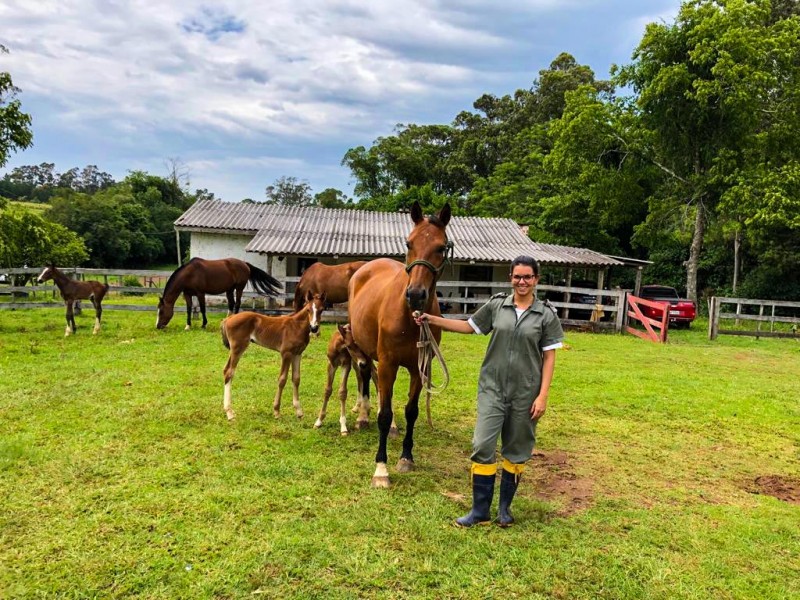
x=481 y=469
x=515 y=468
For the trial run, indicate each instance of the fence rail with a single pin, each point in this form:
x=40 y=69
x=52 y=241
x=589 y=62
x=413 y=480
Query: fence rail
x=463 y=297
x=716 y=314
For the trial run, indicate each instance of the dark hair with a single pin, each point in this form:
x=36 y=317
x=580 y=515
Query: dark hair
x=528 y=261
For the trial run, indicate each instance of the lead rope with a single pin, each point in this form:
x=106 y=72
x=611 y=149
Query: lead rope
x=427 y=349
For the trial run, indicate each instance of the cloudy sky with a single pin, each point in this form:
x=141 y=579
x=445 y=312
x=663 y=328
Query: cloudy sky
x=245 y=92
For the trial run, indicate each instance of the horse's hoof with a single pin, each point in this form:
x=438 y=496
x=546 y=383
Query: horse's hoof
x=276 y=414
x=299 y=415
x=187 y=328
x=317 y=424
x=380 y=482
x=405 y=466
x=393 y=433
x=344 y=433
x=231 y=415
x=362 y=425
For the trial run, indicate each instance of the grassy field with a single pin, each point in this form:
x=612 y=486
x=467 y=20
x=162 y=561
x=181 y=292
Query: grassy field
x=120 y=476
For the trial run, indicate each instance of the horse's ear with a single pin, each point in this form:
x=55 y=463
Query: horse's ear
x=323 y=296
x=444 y=214
x=416 y=212
x=309 y=296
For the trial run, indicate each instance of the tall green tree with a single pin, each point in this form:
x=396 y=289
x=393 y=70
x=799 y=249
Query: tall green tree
x=29 y=240
x=707 y=88
x=289 y=191
x=15 y=125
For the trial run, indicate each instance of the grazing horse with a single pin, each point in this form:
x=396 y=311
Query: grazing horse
x=72 y=290
x=199 y=277
x=382 y=297
x=331 y=279
x=342 y=353
x=288 y=334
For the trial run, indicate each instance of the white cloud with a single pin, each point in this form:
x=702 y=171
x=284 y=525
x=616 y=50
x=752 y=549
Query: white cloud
x=213 y=80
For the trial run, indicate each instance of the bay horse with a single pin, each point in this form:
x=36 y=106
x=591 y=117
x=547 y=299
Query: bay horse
x=382 y=298
x=343 y=353
x=72 y=290
x=199 y=277
x=288 y=334
x=331 y=279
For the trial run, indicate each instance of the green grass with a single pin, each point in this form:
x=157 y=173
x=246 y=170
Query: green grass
x=120 y=476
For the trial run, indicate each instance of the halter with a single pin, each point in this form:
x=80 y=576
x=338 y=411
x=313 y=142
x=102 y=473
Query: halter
x=448 y=256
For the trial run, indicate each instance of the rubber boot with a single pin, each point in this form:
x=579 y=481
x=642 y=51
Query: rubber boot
x=482 y=493
x=508 y=487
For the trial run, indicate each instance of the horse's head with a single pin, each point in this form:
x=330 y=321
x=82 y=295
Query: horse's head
x=356 y=353
x=427 y=251
x=315 y=304
x=46 y=274
x=165 y=312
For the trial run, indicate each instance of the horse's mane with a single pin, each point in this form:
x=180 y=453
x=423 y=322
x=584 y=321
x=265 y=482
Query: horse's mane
x=174 y=274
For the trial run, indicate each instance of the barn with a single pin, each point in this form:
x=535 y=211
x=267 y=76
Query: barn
x=285 y=240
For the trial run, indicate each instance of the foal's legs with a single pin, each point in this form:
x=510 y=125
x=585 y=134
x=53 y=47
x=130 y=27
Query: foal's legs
x=286 y=362
x=345 y=366
x=228 y=372
x=188 y=297
x=70 y=318
x=98 y=312
x=298 y=410
x=238 y=304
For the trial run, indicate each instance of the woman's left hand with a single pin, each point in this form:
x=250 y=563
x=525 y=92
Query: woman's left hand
x=538 y=408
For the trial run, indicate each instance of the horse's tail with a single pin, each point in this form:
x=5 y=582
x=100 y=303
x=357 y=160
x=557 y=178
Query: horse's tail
x=264 y=283
x=224 y=333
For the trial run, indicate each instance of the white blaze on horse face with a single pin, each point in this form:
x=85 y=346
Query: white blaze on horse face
x=41 y=276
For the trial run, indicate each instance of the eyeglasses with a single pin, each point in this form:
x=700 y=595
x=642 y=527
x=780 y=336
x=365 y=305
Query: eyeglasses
x=522 y=277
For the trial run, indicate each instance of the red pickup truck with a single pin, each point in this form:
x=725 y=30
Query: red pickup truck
x=681 y=312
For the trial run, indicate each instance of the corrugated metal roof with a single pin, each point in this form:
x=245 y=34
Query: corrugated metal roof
x=312 y=231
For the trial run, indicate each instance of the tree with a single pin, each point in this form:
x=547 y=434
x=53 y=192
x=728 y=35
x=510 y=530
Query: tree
x=15 y=125
x=27 y=239
x=332 y=198
x=288 y=191
x=709 y=87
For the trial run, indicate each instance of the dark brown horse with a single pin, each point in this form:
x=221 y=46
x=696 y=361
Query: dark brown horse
x=331 y=279
x=199 y=277
x=288 y=335
x=72 y=290
x=383 y=295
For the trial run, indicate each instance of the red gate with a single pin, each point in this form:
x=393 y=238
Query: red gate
x=635 y=313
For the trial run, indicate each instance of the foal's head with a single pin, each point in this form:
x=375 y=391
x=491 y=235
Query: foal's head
x=427 y=251
x=356 y=353
x=46 y=274
x=315 y=303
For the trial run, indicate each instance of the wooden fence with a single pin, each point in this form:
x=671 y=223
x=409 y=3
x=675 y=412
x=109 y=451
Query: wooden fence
x=717 y=314
x=461 y=297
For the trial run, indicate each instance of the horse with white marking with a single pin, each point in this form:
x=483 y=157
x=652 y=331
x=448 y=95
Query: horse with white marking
x=72 y=290
x=289 y=335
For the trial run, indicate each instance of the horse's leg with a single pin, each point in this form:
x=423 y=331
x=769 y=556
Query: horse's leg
x=228 y=372
x=98 y=312
x=238 y=304
x=229 y=294
x=70 y=318
x=328 y=391
x=298 y=410
x=386 y=375
x=188 y=297
x=286 y=362
x=201 y=300
x=343 y=396
x=363 y=377
x=406 y=462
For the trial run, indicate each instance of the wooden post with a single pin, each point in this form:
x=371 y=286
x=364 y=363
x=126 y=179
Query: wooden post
x=638 y=285
x=622 y=311
x=178 y=245
x=772 y=320
x=568 y=294
x=760 y=314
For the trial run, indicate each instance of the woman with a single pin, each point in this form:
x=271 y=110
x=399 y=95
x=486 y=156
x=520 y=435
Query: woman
x=512 y=388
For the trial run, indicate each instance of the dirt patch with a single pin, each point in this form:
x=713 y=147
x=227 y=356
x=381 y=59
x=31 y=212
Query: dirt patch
x=777 y=486
x=554 y=481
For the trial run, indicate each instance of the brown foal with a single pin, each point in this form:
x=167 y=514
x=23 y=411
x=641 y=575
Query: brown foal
x=72 y=290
